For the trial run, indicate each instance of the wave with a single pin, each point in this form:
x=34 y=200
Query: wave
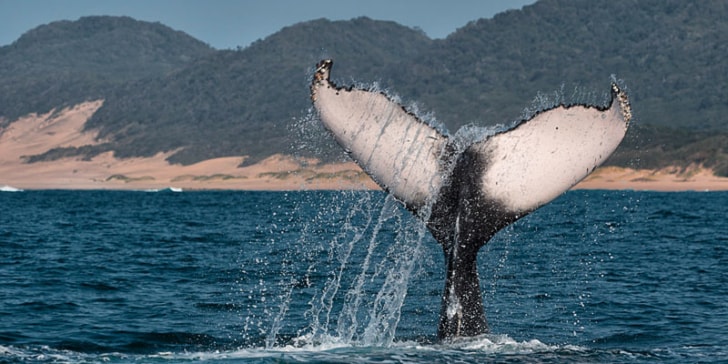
x=7 y=188
x=168 y=189
x=483 y=348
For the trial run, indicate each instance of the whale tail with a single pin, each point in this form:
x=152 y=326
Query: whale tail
x=466 y=195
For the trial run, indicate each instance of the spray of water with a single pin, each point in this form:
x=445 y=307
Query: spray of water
x=366 y=310
x=348 y=321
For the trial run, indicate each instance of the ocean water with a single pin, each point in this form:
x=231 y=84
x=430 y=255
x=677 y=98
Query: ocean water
x=350 y=277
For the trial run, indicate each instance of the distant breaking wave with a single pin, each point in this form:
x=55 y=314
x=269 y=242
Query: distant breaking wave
x=168 y=189
x=7 y=188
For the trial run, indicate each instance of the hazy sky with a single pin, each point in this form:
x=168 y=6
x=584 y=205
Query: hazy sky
x=231 y=23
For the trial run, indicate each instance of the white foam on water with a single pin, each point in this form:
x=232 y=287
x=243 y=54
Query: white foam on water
x=7 y=188
x=167 y=189
x=504 y=344
x=484 y=348
x=304 y=350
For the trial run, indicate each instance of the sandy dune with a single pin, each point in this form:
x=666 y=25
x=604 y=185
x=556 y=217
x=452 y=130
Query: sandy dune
x=667 y=179
x=36 y=134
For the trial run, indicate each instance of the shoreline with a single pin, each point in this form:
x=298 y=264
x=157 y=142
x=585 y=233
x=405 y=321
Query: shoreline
x=284 y=173
x=34 y=135
x=671 y=179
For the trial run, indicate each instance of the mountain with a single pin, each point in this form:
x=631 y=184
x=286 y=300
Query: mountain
x=166 y=91
x=670 y=54
x=242 y=102
x=68 y=62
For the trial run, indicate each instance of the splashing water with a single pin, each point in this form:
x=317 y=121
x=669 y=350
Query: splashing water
x=364 y=310
x=349 y=308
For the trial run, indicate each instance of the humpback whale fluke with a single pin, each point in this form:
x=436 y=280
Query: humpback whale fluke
x=465 y=195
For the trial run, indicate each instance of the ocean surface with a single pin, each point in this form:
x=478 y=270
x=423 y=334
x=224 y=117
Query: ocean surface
x=351 y=277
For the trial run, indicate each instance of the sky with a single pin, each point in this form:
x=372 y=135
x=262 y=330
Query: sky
x=228 y=24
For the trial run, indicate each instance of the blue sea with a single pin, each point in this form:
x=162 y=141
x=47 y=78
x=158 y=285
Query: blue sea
x=351 y=277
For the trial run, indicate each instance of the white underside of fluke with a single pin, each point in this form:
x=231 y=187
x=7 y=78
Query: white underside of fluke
x=525 y=167
x=538 y=160
x=400 y=152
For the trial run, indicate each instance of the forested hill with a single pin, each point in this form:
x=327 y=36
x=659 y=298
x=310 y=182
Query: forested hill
x=670 y=53
x=172 y=92
x=244 y=102
x=66 y=62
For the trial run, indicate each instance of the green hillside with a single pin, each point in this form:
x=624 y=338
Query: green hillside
x=68 y=62
x=242 y=102
x=670 y=53
x=165 y=91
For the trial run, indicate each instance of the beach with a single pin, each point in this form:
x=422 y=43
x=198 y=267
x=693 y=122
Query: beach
x=281 y=173
x=36 y=134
